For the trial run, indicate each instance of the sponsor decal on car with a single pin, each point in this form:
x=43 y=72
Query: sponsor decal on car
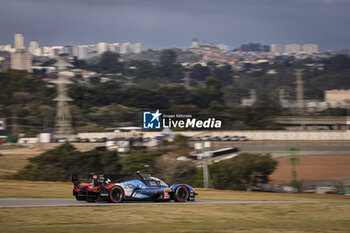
x=166 y=195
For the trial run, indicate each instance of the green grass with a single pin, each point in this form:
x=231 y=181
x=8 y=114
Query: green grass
x=296 y=217
x=212 y=194
x=291 y=217
x=15 y=159
x=13 y=162
x=35 y=189
x=43 y=189
x=320 y=217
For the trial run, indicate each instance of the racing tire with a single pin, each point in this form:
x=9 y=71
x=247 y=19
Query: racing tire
x=182 y=194
x=116 y=195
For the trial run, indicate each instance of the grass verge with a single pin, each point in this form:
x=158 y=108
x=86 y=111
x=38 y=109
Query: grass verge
x=15 y=159
x=42 y=189
x=310 y=217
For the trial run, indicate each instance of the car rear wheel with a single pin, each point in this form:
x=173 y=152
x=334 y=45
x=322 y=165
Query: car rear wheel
x=181 y=194
x=116 y=195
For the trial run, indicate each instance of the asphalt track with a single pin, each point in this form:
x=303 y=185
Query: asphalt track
x=12 y=203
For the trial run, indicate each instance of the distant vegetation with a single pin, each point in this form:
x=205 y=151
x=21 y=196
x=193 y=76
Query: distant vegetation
x=59 y=163
x=243 y=171
x=26 y=100
x=253 y=47
x=154 y=55
x=240 y=172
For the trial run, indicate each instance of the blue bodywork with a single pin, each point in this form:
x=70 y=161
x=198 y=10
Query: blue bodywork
x=134 y=187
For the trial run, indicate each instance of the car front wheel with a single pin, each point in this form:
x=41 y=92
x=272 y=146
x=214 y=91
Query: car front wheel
x=182 y=194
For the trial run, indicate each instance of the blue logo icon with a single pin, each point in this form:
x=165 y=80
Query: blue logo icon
x=151 y=120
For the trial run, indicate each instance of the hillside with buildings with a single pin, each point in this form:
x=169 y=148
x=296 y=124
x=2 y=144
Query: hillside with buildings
x=245 y=87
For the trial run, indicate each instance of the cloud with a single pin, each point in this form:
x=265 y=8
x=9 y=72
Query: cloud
x=161 y=23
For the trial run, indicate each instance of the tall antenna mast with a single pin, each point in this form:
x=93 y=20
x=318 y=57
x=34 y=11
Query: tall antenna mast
x=63 y=120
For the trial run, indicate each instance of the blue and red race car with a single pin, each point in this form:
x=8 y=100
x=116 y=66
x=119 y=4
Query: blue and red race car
x=132 y=187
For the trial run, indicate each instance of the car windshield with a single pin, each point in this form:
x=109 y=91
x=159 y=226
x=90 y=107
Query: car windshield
x=154 y=182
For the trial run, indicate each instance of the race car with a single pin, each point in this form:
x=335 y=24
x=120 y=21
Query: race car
x=133 y=187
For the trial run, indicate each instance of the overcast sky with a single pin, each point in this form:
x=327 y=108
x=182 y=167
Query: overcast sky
x=174 y=23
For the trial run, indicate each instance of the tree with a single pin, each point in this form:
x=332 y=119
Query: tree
x=137 y=161
x=47 y=115
x=199 y=72
x=242 y=171
x=168 y=58
x=213 y=89
x=265 y=102
x=79 y=64
x=337 y=63
x=21 y=96
x=174 y=171
x=168 y=66
x=182 y=144
x=49 y=62
x=113 y=115
x=224 y=74
x=59 y=163
x=109 y=63
x=144 y=69
x=175 y=95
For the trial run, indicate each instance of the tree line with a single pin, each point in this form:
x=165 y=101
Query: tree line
x=26 y=100
x=239 y=173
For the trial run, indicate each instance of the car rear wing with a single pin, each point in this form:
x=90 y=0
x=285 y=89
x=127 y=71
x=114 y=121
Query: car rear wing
x=76 y=179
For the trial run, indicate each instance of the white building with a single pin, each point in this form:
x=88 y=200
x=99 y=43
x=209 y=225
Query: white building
x=102 y=47
x=33 y=47
x=114 y=47
x=19 y=41
x=45 y=136
x=222 y=47
x=125 y=48
x=56 y=50
x=92 y=50
x=310 y=49
x=276 y=48
x=38 y=52
x=68 y=49
x=46 y=51
x=7 y=48
x=28 y=140
x=21 y=60
x=83 y=52
x=3 y=65
x=195 y=43
x=292 y=49
x=137 y=48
